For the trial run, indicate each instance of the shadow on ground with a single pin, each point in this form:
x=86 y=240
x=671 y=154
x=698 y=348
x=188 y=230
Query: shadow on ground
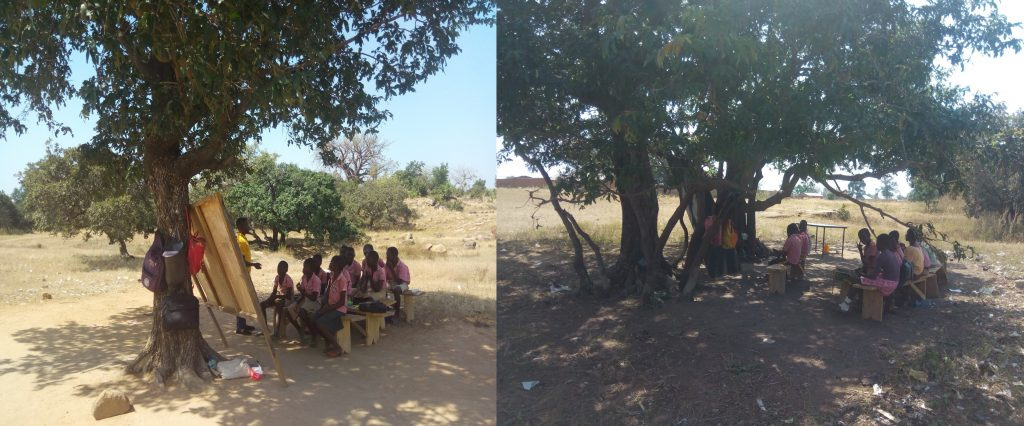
x=739 y=356
x=396 y=381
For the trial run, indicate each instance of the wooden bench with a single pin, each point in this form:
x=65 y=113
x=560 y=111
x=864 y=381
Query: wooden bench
x=777 y=279
x=344 y=336
x=931 y=285
x=872 y=303
x=408 y=305
x=375 y=322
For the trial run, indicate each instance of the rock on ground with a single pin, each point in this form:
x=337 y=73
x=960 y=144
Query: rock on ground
x=111 y=403
x=470 y=244
x=439 y=248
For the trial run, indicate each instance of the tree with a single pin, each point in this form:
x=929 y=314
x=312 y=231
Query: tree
x=378 y=204
x=415 y=178
x=286 y=198
x=11 y=219
x=360 y=157
x=462 y=177
x=65 y=193
x=439 y=177
x=856 y=189
x=888 y=189
x=715 y=92
x=993 y=179
x=180 y=87
x=478 y=190
x=806 y=187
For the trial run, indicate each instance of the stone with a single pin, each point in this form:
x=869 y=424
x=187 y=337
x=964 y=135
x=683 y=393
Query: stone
x=470 y=244
x=439 y=248
x=408 y=235
x=111 y=403
x=408 y=242
x=47 y=296
x=428 y=246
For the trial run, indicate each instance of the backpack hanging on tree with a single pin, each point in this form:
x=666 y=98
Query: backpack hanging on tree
x=153 y=265
x=181 y=312
x=196 y=248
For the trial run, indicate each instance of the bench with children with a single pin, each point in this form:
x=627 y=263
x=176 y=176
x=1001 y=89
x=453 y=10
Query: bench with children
x=326 y=300
x=892 y=275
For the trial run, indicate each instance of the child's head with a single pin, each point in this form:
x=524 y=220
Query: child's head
x=803 y=226
x=895 y=235
x=792 y=229
x=911 y=236
x=864 y=235
x=242 y=225
x=884 y=242
x=336 y=264
x=372 y=258
x=282 y=267
x=308 y=267
x=318 y=260
x=367 y=249
x=391 y=255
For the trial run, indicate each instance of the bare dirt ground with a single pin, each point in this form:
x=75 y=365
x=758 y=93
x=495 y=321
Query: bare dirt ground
x=58 y=355
x=739 y=356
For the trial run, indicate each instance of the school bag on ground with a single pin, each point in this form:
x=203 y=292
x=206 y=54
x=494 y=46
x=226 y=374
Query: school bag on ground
x=153 y=265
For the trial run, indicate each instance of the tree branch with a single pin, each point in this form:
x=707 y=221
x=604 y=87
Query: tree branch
x=862 y=204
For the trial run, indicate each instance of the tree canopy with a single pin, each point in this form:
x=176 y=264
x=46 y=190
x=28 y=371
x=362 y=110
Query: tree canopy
x=69 y=193
x=711 y=93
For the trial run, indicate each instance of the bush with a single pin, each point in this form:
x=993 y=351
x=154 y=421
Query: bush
x=843 y=213
x=444 y=196
x=478 y=190
x=379 y=203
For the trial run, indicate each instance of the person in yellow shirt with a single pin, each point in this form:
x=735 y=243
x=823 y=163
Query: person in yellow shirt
x=242 y=228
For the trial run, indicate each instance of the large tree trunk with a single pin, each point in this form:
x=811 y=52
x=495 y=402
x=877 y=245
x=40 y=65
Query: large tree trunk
x=172 y=356
x=639 y=242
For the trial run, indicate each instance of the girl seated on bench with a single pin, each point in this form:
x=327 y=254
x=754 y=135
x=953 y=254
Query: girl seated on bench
x=794 y=249
x=884 y=274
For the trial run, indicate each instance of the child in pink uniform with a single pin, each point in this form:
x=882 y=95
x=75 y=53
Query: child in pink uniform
x=309 y=288
x=327 y=319
x=397 y=274
x=793 y=248
x=806 y=240
x=284 y=282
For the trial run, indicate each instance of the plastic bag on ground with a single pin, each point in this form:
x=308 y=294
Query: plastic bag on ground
x=235 y=368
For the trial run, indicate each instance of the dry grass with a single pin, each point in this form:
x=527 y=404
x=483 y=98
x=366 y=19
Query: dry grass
x=601 y=220
x=460 y=283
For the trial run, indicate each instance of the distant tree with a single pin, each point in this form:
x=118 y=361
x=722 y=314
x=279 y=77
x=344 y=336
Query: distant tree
x=462 y=177
x=359 y=158
x=378 y=204
x=993 y=175
x=478 y=190
x=857 y=190
x=806 y=187
x=415 y=179
x=439 y=177
x=286 y=198
x=924 y=191
x=888 y=190
x=11 y=219
x=69 y=193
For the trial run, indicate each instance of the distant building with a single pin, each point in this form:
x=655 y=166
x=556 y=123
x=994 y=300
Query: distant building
x=519 y=182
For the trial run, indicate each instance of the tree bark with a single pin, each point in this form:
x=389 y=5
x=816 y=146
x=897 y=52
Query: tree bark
x=586 y=284
x=172 y=356
x=123 y=247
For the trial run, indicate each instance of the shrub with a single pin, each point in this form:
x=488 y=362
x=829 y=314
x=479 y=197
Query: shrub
x=379 y=203
x=843 y=213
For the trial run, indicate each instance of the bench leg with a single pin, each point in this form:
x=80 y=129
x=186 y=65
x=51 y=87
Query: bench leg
x=407 y=307
x=872 y=306
x=777 y=283
x=372 y=329
x=344 y=336
x=932 y=287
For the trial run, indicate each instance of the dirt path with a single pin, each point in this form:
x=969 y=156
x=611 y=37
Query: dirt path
x=57 y=356
x=608 y=361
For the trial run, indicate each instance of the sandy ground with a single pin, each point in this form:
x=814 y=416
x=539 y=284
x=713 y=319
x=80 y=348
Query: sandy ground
x=56 y=356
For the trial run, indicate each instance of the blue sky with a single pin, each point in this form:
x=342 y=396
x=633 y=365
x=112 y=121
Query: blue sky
x=449 y=118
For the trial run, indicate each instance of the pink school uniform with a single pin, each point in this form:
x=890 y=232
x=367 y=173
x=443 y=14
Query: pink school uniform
x=339 y=286
x=284 y=284
x=805 y=245
x=400 y=273
x=354 y=270
x=793 y=249
x=310 y=286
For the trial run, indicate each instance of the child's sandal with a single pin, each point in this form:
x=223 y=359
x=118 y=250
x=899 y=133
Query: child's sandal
x=333 y=353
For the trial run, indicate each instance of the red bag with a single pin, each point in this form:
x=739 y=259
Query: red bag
x=196 y=248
